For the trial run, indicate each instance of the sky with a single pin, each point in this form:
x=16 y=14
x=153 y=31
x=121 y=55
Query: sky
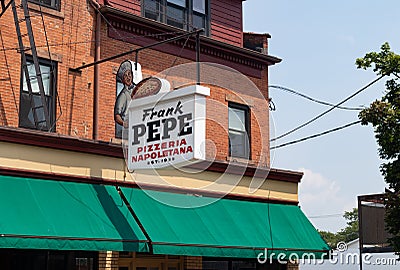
x=318 y=42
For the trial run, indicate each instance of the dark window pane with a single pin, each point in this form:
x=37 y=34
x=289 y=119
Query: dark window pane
x=151 y=15
x=26 y=118
x=26 y=115
x=20 y=259
x=175 y=16
x=57 y=262
x=84 y=264
x=243 y=265
x=152 y=9
x=238 y=144
x=47 y=3
x=199 y=21
x=125 y=254
x=215 y=265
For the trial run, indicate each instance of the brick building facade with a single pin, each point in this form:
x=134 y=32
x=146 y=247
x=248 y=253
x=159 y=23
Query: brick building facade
x=82 y=149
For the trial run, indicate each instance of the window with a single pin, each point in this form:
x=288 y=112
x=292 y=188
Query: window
x=240 y=264
x=199 y=14
x=184 y=14
x=49 y=72
x=176 y=13
x=54 y=4
x=23 y=259
x=239 y=132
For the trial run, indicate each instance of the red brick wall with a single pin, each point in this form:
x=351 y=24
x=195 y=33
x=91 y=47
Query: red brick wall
x=71 y=32
x=154 y=62
x=73 y=29
x=133 y=6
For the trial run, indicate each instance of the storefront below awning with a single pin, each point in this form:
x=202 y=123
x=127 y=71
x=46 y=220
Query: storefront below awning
x=193 y=225
x=55 y=215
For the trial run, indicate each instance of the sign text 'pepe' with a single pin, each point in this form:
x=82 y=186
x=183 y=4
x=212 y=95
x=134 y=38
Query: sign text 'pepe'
x=165 y=121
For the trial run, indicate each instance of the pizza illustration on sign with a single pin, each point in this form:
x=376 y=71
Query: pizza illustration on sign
x=147 y=87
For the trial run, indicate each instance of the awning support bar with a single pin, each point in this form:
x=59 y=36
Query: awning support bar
x=136 y=218
x=139 y=49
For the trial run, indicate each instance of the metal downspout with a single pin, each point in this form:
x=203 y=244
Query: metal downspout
x=96 y=74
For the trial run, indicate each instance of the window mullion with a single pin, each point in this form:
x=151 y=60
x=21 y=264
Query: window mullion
x=178 y=13
x=163 y=10
x=189 y=15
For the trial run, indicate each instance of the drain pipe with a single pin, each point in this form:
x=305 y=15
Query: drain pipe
x=96 y=74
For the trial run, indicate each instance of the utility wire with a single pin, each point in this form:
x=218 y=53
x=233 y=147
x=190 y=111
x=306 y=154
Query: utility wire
x=52 y=69
x=9 y=74
x=123 y=38
x=327 y=216
x=49 y=45
x=315 y=135
x=313 y=99
x=91 y=41
x=176 y=58
x=329 y=110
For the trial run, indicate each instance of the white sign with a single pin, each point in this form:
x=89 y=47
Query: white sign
x=168 y=128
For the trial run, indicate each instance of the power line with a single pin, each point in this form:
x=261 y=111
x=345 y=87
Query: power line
x=316 y=135
x=327 y=216
x=177 y=57
x=8 y=73
x=52 y=68
x=50 y=45
x=313 y=99
x=329 y=110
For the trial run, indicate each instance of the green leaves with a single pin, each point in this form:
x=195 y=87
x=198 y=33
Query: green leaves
x=385 y=62
x=347 y=234
x=384 y=116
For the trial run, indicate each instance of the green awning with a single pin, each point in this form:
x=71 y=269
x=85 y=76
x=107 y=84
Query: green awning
x=43 y=214
x=222 y=228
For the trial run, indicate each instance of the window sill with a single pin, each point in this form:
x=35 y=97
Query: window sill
x=46 y=10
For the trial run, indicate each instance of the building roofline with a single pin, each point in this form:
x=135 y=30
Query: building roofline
x=205 y=41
